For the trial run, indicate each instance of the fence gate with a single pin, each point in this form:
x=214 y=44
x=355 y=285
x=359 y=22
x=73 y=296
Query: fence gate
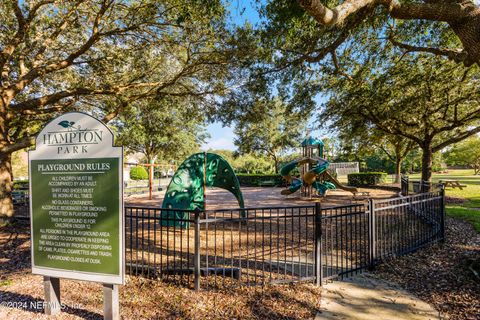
x=345 y=240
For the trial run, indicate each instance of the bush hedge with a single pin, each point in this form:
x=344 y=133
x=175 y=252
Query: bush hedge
x=138 y=173
x=255 y=180
x=20 y=184
x=363 y=179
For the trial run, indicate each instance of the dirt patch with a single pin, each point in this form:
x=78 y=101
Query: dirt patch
x=444 y=275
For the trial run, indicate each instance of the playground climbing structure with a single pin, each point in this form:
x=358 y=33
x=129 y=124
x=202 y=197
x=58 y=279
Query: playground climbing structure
x=313 y=172
x=187 y=189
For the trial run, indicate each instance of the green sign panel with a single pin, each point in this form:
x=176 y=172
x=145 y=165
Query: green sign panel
x=76 y=201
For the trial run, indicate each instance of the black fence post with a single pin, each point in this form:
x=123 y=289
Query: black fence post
x=404 y=185
x=407 y=185
x=196 y=259
x=372 y=236
x=407 y=182
x=442 y=212
x=318 y=244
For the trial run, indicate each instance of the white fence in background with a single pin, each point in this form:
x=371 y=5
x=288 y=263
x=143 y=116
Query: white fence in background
x=344 y=168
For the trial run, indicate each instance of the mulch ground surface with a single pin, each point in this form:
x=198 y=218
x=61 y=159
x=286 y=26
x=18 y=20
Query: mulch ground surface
x=21 y=294
x=445 y=275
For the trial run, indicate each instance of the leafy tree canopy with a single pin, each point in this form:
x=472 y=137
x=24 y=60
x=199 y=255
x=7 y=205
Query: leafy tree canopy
x=100 y=56
x=269 y=128
x=461 y=17
x=465 y=153
x=164 y=129
x=420 y=98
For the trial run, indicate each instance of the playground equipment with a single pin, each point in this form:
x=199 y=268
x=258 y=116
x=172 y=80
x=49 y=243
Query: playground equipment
x=187 y=189
x=314 y=174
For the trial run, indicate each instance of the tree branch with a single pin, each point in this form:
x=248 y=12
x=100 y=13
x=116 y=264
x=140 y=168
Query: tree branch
x=435 y=11
x=56 y=32
x=39 y=71
x=8 y=50
x=337 y=66
x=395 y=130
x=23 y=143
x=439 y=11
x=113 y=114
x=455 y=55
x=337 y=15
x=392 y=158
x=55 y=97
x=33 y=10
x=458 y=138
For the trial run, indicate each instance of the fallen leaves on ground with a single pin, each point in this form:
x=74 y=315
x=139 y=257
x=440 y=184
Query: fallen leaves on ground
x=445 y=274
x=142 y=298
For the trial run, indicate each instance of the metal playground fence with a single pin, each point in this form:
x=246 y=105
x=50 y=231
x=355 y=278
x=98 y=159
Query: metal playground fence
x=408 y=186
x=259 y=246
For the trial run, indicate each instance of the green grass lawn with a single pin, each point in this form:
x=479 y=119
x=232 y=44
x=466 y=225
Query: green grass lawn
x=469 y=210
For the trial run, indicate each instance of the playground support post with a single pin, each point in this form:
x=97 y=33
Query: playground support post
x=318 y=244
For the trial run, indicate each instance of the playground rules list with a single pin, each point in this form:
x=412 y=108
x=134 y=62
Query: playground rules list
x=76 y=213
x=74 y=225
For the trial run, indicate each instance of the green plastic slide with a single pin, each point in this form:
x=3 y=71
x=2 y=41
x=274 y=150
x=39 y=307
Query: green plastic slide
x=186 y=190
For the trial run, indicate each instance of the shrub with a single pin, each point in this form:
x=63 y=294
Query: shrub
x=138 y=173
x=255 y=180
x=362 y=179
x=20 y=184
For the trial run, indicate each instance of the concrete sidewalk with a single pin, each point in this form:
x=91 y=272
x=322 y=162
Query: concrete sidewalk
x=365 y=297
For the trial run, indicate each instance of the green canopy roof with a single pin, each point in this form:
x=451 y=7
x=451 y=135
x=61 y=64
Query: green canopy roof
x=311 y=141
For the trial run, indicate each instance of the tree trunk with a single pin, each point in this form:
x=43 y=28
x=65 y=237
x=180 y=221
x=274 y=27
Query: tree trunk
x=275 y=163
x=398 y=169
x=6 y=185
x=427 y=159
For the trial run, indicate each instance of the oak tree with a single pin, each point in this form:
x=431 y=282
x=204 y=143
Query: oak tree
x=268 y=128
x=466 y=153
x=162 y=128
x=461 y=16
x=100 y=56
x=421 y=98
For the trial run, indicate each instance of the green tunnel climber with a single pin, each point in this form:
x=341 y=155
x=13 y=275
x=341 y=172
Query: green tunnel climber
x=187 y=188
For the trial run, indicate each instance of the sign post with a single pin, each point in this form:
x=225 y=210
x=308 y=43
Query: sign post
x=76 y=208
